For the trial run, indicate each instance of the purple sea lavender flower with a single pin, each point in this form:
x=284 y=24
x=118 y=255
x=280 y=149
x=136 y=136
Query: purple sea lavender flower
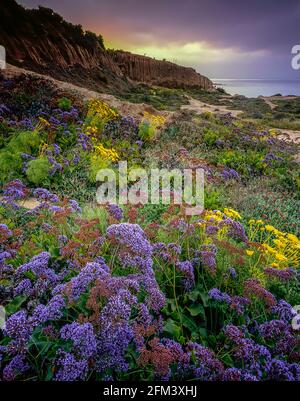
x=90 y=273
x=284 y=275
x=38 y=264
x=232 y=272
x=19 y=329
x=217 y=295
x=233 y=333
x=74 y=206
x=51 y=311
x=284 y=310
x=156 y=299
x=5 y=233
x=44 y=195
x=207 y=366
x=70 y=369
x=83 y=338
x=116 y=332
x=273 y=329
x=3 y=109
x=174 y=248
x=3 y=256
x=208 y=257
x=186 y=268
x=230 y=174
x=56 y=148
x=131 y=239
x=238 y=303
x=237 y=230
x=235 y=374
x=281 y=371
x=116 y=212
x=13 y=191
x=23 y=288
x=15 y=367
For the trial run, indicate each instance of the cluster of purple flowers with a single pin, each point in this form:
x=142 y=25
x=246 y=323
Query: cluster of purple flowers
x=187 y=269
x=208 y=257
x=44 y=195
x=270 y=159
x=258 y=359
x=235 y=302
x=95 y=319
x=115 y=211
x=14 y=191
x=230 y=174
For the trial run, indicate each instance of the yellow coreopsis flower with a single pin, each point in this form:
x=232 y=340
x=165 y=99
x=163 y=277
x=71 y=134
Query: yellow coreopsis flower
x=280 y=257
x=293 y=238
x=274 y=265
x=279 y=243
x=232 y=213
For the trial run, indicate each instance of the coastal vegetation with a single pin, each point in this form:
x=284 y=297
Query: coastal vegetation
x=145 y=292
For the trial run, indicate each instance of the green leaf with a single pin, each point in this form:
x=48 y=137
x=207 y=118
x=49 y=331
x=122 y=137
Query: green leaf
x=196 y=310
x=193 y=295
x=172 y=328
x=15 y=304
x=189 y=323
x=204 y=297
x=29 y=275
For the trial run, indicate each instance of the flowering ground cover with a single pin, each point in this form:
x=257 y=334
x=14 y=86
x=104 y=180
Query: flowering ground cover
x=144 y=293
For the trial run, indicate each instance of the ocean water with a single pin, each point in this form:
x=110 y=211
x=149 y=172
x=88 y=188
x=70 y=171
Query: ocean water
x=258 y=87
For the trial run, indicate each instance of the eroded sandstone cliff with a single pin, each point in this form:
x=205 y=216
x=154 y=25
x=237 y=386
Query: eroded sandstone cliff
x=157 y=72
x=42 y=41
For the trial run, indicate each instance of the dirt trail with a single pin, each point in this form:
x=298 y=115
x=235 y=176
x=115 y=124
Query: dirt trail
x=200 y=107
x=290 y=136
x=270 y=100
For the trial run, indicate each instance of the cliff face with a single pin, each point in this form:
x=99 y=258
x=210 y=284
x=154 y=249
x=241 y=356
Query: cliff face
x=40 y=40
x=157 y=72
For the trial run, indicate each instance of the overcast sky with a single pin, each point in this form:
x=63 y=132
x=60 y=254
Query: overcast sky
x=221 y=39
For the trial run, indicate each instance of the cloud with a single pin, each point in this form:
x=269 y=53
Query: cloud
x=194 y=31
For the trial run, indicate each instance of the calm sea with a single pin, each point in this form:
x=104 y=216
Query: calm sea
x=258 y=87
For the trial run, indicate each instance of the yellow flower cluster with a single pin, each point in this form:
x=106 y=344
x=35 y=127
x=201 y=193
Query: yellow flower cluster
x=281 y=250
x=42 y=148
x=99 y=113
x=233 y=214
x=273 y=132
x=41 y=124
x=214 y=217
x=218 y=216
x=106 y=154
x=43 y=121
x=155 y=120
x=100 y=108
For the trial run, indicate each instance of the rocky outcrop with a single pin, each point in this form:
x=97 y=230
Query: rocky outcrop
x=40 y=40
x=157 y=72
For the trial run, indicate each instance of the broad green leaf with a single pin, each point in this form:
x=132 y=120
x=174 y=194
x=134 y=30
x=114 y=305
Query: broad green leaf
x=15 y=304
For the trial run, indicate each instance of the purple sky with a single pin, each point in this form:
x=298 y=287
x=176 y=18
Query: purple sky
x=222 y=39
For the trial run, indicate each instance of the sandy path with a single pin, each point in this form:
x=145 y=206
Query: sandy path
x=270 y=100
x=200 y=107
